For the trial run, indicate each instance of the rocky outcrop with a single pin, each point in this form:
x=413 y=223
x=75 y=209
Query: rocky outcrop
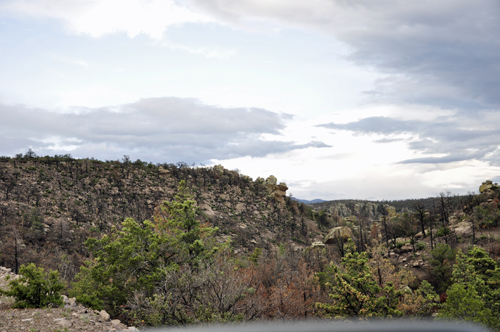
x=463 y=228
x=488 y=186
x=162 y=171
x=276 y=191
x=367 y=209
x=317 y=244
x=335 y=233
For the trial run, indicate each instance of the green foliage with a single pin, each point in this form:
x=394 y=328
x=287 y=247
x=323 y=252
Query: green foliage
x=464 y=302
x=355 y=293
x=470 y=297
x=443 y=232
x=429 y=296
x=487 y=217
x=35 y=288
x=442 y=257
x=281 y=249
x=138 y=257
x=254 y=257
x=420 y=245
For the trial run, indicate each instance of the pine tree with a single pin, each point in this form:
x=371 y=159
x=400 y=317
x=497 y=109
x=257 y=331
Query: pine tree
x=355 y=291
x=138 y=257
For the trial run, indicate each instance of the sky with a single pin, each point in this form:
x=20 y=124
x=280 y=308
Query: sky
x=358 y=99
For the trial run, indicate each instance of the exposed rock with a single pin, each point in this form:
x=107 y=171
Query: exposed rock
x=219 y=169
x=163 y=171
x=104 y=315
x=64 y=322
x=317 y=244
x=406 y=248
x=338 y=232
x=340 y=210
x=488 y=186
x=271 y=180
x=276 y=191
x=351 y=219
x=463 y=228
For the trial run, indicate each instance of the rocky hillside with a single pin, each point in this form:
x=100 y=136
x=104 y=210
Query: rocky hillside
x=49 y=206
x=418 y=227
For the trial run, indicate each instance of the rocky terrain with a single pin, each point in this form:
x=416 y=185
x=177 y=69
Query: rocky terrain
x=72 y=317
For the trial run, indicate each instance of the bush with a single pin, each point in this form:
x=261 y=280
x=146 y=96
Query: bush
x=443 y=232
x=35 y=288
x=420 y=245
x=400 y=244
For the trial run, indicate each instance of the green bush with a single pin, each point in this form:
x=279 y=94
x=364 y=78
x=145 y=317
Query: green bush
x=420 y=245
x=443 y=232
x=35 y=288
x=400 y=244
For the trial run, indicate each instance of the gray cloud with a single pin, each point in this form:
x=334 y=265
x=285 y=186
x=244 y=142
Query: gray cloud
x=434 y=52
x=158 y=129
x=458 y=137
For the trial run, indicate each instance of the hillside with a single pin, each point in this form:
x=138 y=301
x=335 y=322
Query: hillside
x=49 y=206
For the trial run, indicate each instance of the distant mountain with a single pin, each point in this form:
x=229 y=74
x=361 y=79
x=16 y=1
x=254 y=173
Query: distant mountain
x=305 y=201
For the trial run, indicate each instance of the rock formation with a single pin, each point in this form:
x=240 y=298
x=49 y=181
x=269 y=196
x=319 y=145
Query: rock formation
x=488 y=186
x=277 y=191
x=343 y=232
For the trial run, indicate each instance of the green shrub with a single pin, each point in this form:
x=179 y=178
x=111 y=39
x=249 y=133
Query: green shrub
x=443 y=232
x=400 y=244
x=35 y=288
x=420 y=245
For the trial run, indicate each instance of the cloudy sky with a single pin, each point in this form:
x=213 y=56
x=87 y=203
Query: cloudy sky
x=364 y=99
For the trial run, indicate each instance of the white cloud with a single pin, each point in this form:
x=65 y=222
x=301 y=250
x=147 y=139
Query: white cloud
x=98 y=18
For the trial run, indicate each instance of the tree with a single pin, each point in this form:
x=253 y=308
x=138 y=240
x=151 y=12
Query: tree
x=355 y=292
x=35 y=288
x=442 y=257
x=421 y=213
x=139 y=257
x=469 y=297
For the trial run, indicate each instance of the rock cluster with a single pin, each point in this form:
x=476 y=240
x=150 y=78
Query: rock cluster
x=277 y=191
x=488 y=186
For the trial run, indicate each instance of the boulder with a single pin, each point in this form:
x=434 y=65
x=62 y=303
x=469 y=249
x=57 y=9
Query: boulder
x=276 y=191
x=219 y=169
x=463 y=228
x=104 y=315
x=406 y=248
x=317 y=244
x=351 y=219
x=163 y=171
x=488 y=186
x=342 y=232
x=271 y=180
